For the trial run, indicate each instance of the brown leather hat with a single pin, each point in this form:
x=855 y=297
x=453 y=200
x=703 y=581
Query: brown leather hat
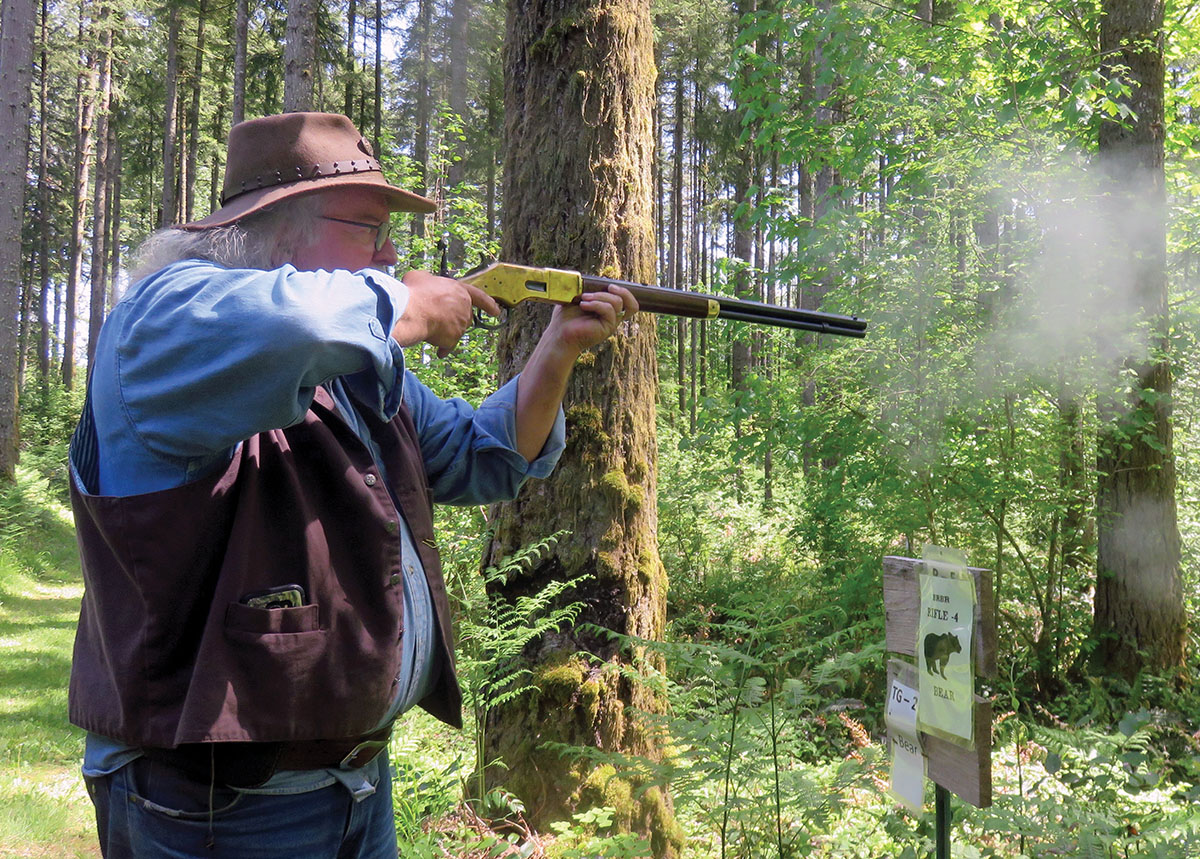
x=298 y=153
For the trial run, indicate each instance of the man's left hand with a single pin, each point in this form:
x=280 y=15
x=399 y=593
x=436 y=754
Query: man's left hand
x=593 y=320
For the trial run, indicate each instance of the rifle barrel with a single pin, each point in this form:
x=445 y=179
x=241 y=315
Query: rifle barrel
x=800 y=324
x=658 y=299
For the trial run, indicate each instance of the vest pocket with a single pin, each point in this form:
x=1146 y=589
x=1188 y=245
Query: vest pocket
x=264 y=621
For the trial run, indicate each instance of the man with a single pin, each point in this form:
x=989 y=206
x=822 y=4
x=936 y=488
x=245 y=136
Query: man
x=251 y=479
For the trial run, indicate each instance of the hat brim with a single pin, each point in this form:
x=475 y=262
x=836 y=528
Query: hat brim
x=399 y=200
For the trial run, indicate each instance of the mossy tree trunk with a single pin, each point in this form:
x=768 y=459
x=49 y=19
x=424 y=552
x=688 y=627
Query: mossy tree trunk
x=1139 y=619
x=579 y=85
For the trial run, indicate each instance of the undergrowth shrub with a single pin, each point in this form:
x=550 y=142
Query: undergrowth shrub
x=48 y=416
x=1086 y=792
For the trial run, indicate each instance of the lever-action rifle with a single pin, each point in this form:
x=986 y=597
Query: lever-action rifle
x=511 y=284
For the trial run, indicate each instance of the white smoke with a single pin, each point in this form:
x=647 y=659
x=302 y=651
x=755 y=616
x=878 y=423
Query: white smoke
x=1078 y=302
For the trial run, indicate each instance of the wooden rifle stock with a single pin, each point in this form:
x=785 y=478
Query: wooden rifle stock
x=511 y=284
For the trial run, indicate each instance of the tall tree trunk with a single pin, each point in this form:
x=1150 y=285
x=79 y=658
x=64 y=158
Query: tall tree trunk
x=241 y=27
x=1077 y=531
x=377 y=123
x=677 y=236
x=25 y=292
x=84 y=114
x=695 y=267
x=46 y=324
x=577 y=174
x=18 y=20
x=495 y=122
x=743 y=233
x=1139 y=619
x=349 y=66
x=424 y=106
x=170 y=202
x=299 y=56
x=193 y=119
x=114 y=205
x=700 y=274
x=98 y=275
x=460 y=64
x=214 y=166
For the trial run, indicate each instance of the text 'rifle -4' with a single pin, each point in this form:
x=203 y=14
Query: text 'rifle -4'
x=511 y=284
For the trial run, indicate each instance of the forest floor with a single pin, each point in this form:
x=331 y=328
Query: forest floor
x=1060 y=790
x=44 y=809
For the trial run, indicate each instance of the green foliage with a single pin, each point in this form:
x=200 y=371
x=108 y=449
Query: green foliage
x=422 y=792
x=1092 y=793
x=759 y=702
x=49 y=413
x=492 y=634
x=591 y=835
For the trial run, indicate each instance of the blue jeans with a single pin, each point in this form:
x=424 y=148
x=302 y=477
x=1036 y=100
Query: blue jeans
x=149 y=810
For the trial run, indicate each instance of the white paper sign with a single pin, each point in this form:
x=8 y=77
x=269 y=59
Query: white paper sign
x=945 y=633
x=908 y=764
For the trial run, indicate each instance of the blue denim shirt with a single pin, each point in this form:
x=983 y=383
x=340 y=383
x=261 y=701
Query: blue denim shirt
x=195 y=358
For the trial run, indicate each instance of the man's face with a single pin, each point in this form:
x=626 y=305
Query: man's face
x=345 y=245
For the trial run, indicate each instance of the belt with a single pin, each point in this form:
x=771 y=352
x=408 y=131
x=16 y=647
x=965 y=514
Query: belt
x=333 y=754
x=251 y=764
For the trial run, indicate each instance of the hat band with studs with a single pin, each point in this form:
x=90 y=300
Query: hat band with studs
x=316 y=171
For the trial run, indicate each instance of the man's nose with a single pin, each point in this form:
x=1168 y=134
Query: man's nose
x=386 y=255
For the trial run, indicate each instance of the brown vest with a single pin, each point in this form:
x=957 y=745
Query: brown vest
x=167 y=654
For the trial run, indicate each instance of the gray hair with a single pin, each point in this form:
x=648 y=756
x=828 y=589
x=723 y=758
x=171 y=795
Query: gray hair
x=263 y=240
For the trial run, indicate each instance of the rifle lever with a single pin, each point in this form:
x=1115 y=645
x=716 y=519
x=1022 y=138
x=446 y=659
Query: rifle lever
x=477 y=317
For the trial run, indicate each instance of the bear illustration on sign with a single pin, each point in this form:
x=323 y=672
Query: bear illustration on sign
x=938 y=649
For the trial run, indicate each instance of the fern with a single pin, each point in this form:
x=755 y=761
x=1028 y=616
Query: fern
x=493 y=633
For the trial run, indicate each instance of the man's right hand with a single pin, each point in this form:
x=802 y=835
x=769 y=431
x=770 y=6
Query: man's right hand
x=439 y=311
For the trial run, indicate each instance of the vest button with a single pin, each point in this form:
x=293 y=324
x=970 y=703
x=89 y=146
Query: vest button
x=395 y=579
x=370 y=479
x=393 y=526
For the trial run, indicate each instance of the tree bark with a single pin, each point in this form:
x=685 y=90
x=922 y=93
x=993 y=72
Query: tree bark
x=1139 y=618
x=460 y=64
x=84 y=116
x=214 y=166
x=677 y=236
x=193 y=119
x=98 y=276
x=350 y=67
x=378 y=113
x=577 y=179
x=46 y=324
x=170 y=130
x=17 y=26
x=114 y=204
x=495 y=119
x=241 y=27
x=299 y=56
x=743 y=239
x=424 y=109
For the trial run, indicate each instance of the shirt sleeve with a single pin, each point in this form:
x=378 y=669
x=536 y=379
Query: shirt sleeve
x=470 y=454
x=197 y=358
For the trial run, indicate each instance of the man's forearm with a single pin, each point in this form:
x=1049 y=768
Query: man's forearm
x=540 y=393
x=544 y=379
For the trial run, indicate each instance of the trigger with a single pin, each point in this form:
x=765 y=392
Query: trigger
x=489 y=326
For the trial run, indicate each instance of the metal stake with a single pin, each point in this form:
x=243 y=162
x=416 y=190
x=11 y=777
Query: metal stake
x=941 y=800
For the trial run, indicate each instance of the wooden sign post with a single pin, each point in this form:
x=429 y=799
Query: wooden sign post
x=952 y=767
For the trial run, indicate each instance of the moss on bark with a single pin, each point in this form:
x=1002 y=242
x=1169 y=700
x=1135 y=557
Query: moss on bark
x=579 y=83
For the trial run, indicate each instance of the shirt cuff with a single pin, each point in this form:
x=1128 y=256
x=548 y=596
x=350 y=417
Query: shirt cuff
x=395 y=291
x=497 y=417
x=382 y=389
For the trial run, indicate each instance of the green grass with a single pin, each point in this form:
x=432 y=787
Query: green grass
x=44 y=809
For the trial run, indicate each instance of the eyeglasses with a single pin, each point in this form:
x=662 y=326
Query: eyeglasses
x=382 y=231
